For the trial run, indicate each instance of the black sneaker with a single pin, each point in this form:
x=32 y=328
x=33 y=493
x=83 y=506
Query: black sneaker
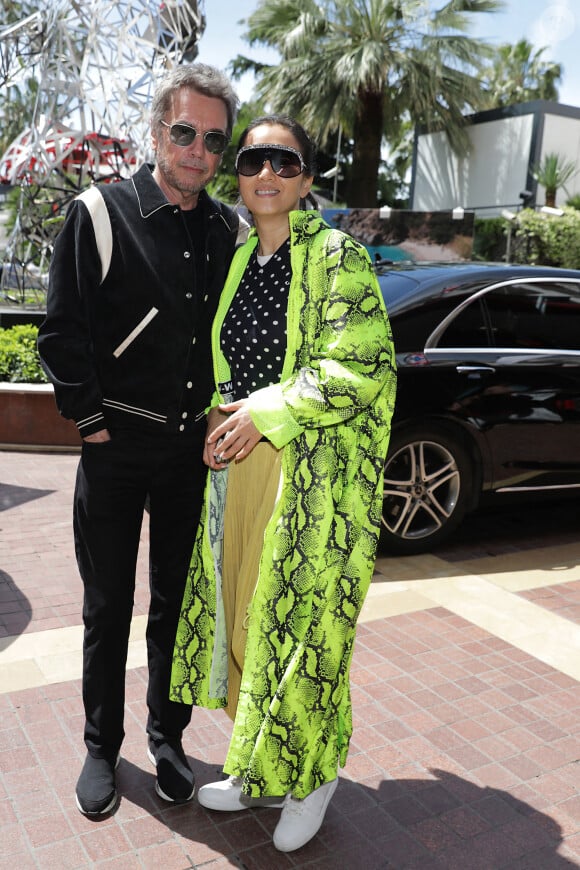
x=96 y=792
x=175 y=780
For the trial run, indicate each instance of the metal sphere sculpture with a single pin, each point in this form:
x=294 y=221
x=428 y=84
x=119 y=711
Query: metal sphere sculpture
x=96 y=63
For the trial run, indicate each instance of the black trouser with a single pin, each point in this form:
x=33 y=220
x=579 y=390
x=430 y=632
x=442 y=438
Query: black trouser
x=113 y=481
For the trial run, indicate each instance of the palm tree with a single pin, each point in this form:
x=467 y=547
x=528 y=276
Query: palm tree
x=518 y=74
x=552 y=173
x=367 y=65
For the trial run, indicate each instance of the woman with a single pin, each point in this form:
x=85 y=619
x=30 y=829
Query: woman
x=305 y=376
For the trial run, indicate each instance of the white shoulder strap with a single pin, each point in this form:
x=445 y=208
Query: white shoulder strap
x=93 y=199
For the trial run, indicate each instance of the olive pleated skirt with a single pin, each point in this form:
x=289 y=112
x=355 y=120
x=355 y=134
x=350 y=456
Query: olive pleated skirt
x=253 y=485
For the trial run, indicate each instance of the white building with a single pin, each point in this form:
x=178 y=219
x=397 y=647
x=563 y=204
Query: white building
x=506 y=145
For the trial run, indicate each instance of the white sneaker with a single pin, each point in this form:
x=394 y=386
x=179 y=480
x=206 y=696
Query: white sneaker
x=301 y=819
x=226 y=795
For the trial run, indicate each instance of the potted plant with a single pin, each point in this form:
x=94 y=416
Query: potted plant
x=28 y=413
x=552 y=173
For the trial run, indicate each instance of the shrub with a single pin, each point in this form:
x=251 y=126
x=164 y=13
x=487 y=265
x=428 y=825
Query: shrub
x=489 y=239
x=19 y=360
x=547 y=240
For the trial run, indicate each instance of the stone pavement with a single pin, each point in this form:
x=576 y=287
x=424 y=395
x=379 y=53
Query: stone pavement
x=466 y=698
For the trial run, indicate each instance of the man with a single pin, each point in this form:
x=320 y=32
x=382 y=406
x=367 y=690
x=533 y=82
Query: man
x=134 y=282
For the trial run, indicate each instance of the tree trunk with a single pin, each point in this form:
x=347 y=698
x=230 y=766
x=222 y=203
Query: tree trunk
x=367 y=135
x=551 y=197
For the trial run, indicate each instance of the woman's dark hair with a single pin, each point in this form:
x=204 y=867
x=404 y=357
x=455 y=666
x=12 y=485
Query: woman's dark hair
x=307 y=146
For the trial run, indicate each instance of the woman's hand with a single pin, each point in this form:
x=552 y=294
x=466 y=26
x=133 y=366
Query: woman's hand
x=232 y=438
x=214 y=418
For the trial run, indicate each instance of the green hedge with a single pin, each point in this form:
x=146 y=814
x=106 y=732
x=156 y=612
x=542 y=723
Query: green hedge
x=489 y=239
x=19 y=360
x=537 y=238
x=547 y=240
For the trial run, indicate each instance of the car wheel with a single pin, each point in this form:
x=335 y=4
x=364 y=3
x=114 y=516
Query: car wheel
x=427 y=489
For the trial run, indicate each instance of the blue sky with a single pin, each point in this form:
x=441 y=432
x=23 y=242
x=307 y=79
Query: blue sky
x=552 y=25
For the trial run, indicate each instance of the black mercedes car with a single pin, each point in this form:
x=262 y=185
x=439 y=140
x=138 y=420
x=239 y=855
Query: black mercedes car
x=488 y=396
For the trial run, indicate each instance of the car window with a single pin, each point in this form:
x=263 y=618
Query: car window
x=538 y=315
x=467 y=328
x=411 y=328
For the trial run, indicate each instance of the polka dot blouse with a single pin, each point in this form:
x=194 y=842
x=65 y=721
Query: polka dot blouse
x=253 y=335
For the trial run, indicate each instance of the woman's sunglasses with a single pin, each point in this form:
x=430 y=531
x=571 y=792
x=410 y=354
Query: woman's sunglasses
x=285 y=161
x=183 y=135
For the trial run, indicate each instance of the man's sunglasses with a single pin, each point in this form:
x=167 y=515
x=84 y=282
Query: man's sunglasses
x=183 y=135
x=285 y=161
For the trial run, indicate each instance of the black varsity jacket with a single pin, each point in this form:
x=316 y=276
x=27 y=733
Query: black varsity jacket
x=132 y=348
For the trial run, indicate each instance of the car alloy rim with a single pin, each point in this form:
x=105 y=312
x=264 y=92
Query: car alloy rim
x=421 y=490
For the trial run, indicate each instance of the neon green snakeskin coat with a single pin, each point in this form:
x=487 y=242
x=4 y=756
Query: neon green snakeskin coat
x=331 y=413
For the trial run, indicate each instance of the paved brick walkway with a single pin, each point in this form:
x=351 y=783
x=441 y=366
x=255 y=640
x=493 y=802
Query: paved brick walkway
x=465 y=753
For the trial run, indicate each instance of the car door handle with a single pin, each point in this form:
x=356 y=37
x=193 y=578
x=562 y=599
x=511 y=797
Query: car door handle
x=473 y=370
